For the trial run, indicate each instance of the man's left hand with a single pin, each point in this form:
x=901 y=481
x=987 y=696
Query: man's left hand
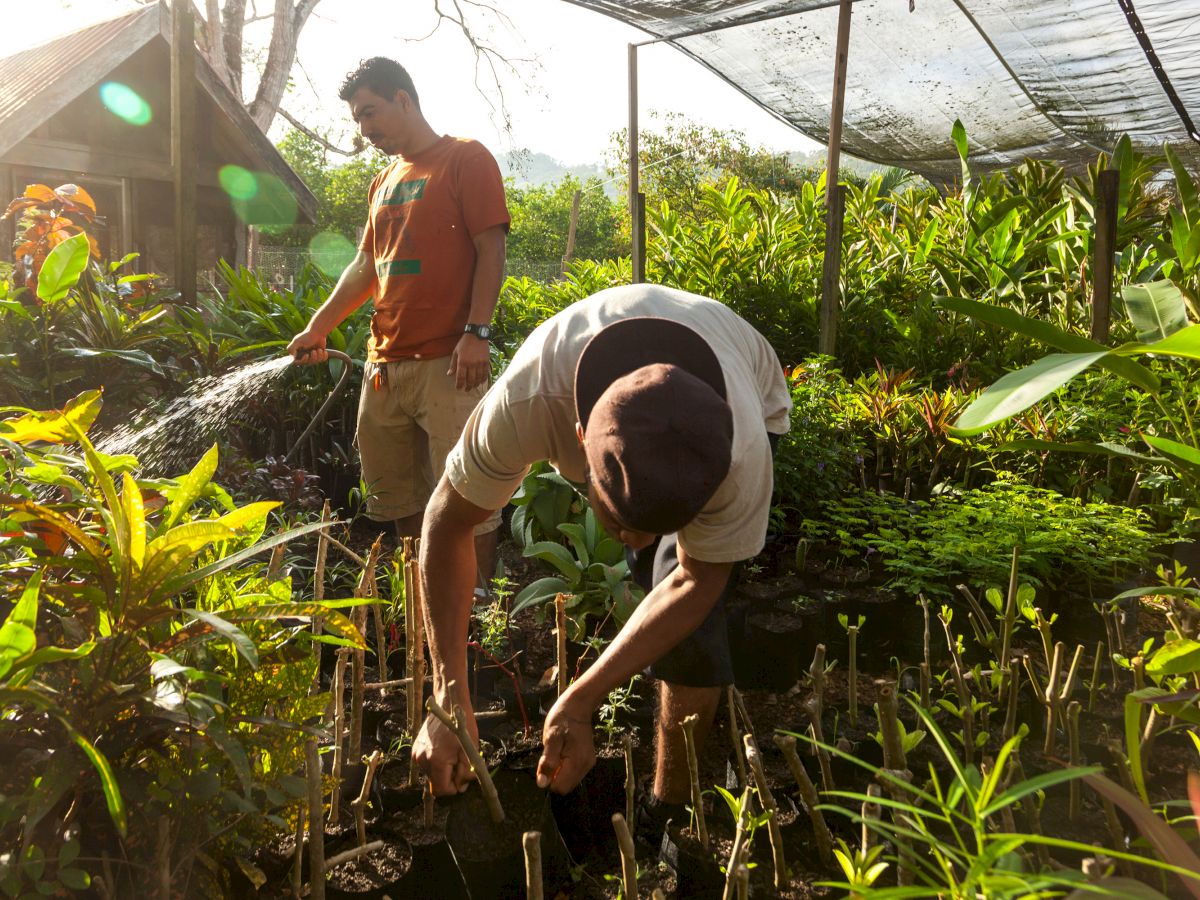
x=568 y=748
x=470 y=363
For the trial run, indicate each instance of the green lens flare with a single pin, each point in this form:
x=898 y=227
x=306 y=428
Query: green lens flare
x=259 y=198
x=331 y=252
x=238 y=183
x=125 y=103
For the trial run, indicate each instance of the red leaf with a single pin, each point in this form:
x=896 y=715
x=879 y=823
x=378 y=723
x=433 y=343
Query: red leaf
x=1194 y=794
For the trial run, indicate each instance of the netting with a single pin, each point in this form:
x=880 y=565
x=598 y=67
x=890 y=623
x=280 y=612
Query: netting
x=1055 y=80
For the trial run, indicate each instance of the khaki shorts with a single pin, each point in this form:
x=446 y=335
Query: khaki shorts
x=407 y=425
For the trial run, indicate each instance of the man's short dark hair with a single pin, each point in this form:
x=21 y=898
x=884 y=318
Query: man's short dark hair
x=381 y=76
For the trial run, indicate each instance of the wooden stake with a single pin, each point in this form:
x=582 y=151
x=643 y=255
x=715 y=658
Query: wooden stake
x=417 y=650
x=689 y=740
x=319 y=590
x=767 y=800
x=362 y=591
x=316 y=822
x=808 y=793
x=560 y=632
x=571 y=228
x=381 y=665
x=1103 y=249
x=852 y=680
x=815 y=705
x=457 y=723
x=628 y=856
x=531 y=842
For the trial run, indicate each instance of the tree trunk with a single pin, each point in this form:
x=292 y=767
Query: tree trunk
x=233 y=19
x=281 y=56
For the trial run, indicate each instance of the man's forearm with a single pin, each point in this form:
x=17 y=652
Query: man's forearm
x=672 y=611
x=489 y=275
x=352 y=290
x=448 y=583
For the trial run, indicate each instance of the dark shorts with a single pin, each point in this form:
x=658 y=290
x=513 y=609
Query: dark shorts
x=703 y=658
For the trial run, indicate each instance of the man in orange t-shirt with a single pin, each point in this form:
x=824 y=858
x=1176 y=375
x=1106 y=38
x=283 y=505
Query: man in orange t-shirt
x=432 y=256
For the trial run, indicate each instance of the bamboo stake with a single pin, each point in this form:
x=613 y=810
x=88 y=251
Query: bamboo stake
x=767 y=800
x=689 y=740
x=630 y=785
x=628 y=856
x=739 y=839
x=735 y=737
x=458 y=724
x=339 y=732
x=359 y=803
x=316 y=819
x=808 y=793
x=352 y=854
x=560 y=632
x=531 y=842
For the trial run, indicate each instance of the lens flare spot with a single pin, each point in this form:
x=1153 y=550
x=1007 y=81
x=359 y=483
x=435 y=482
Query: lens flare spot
x=125 y=103
x=259 y=198
x=331 y=252
x=238 y=183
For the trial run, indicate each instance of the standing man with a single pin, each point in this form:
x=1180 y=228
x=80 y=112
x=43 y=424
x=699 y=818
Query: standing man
x=662 y=403
x=432 y=257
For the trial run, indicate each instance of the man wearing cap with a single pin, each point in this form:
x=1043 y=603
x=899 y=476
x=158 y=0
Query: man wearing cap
x=662 y=403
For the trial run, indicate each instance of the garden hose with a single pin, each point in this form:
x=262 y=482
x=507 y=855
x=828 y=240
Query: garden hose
x=337 y=389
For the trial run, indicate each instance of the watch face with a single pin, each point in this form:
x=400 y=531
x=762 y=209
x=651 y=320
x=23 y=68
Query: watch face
x=482 y=331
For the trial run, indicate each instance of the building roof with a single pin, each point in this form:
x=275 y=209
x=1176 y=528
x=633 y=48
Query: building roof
x=1058 y=80
x=38 y=82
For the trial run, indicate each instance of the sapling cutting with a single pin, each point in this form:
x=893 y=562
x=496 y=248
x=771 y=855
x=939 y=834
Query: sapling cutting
x=1076 y=757
x=689 y=739
x=735 y=735
x=852 y=678
x=1050 y=698
x=560 y=633
x=1094 y=685
x=339 y=731
x=1013 y=686
x=815 y=706
x=742 y=815
x=363 y=590
x=808 y=793
x=316 y=819
x=414 y=636
x=298 y=853
x=319 y=591
x=742 y=877
x=531 y=843
x=629 y=884
x=630 y=784
x=458 y=724
x=381 y=665
x=767 y=800
x=359 y=803
x=966 y=702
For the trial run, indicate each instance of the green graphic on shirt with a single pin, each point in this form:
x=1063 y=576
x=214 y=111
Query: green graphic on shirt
x=398 y=267
x=405 y=192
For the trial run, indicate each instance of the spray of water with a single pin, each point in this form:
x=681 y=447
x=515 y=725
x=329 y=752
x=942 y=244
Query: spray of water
x=167 y=441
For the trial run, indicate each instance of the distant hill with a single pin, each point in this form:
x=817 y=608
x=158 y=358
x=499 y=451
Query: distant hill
x=527 y=167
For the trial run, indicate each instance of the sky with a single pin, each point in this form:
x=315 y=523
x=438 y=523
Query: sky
x=566 y=95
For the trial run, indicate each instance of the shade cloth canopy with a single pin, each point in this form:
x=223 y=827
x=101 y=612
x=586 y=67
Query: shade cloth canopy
x=1055 y=80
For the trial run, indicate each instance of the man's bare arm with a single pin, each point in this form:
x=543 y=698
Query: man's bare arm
x=353 y=289
x=470 y=362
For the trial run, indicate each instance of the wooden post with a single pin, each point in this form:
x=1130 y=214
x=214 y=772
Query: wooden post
x=571 y=229
x=639 y=269
x=183 y=145
x=637 y=236
x=560 y=633
x=835 y=197
x=1104 y=244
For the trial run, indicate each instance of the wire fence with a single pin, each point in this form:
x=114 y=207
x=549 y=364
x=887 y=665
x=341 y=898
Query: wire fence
x=281 y=265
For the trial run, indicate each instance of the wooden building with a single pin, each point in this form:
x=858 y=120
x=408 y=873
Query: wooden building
x=93 y=108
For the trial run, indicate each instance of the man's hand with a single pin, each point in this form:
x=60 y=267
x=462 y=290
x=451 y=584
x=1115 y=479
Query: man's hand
x=439 y=754
x=568 y=750
x=308 y=348
x=470 y=363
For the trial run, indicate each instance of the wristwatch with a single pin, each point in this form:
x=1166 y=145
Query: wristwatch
x=480 y=331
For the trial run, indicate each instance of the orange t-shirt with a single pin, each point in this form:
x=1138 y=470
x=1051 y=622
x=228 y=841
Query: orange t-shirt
x=424 y=215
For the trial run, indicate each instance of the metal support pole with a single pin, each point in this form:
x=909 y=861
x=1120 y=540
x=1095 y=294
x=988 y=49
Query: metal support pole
x=1104 y=244
x=183 y=144
x=639 y=226
x=572 y=227
x=637 y=235
x=834 y=197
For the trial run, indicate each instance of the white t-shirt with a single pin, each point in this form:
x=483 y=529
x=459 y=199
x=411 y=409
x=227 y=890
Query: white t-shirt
x=529 y=414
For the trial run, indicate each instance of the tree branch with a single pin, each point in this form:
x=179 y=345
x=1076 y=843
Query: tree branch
x=356 y=148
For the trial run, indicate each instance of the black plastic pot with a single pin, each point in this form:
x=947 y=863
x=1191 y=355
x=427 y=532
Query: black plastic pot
x=777 y=648
x=584 y=816
x=489 y=855
x=696 y=870
x=374 y=888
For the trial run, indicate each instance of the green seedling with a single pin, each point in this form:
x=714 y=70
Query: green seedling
x=909 y=740
x=862 y=869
